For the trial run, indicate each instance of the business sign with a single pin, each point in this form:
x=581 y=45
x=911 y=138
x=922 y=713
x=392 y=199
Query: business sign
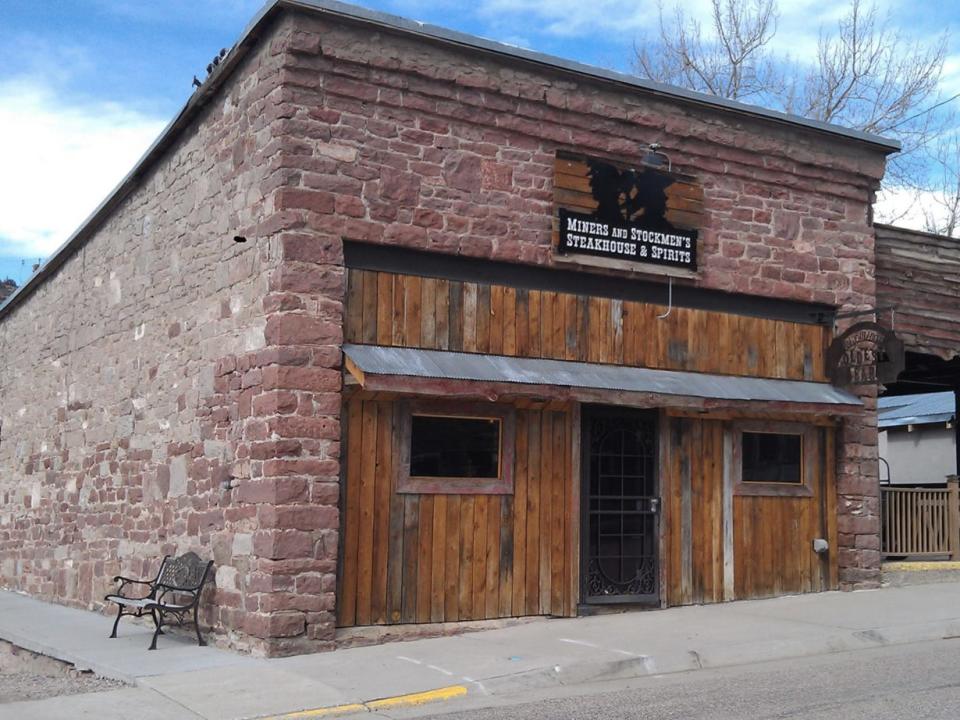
x=866 y=354
x=636 y=214
x=586 y=235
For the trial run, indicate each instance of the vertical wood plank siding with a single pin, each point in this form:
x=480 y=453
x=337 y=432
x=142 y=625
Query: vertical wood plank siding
x=772 y=535
x=442 y=558
x=693 y=511
x=410 y=311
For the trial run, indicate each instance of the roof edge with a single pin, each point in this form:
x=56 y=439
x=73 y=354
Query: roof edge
x=919 y=233
x=936 y=419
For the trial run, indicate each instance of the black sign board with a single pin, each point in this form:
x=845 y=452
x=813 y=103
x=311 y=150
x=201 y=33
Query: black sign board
x=585 y=235
x=630 y=222
x=866 y=354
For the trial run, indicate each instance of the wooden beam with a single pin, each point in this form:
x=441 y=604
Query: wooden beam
x=729 y=592
x=354 y=373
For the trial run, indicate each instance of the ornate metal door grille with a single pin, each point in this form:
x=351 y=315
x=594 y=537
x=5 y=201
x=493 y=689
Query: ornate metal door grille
x=621 y=505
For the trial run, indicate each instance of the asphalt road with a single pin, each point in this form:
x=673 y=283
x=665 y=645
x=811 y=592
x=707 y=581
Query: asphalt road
x=904 y=682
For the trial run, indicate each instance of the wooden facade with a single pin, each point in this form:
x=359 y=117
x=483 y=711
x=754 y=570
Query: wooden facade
x=918 y=279
x=417 y=558
x=413 y=311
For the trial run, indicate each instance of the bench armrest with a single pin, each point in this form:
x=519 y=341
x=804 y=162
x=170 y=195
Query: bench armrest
x=126 y=580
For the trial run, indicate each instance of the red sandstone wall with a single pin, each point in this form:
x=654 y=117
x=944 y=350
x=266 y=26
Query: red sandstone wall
x=127 y=378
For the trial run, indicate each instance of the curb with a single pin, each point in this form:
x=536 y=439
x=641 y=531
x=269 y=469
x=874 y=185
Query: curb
x=397 y=701
x=691 y=660
x=79 y=663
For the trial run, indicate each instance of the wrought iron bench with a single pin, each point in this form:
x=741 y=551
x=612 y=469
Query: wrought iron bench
x=175 y=592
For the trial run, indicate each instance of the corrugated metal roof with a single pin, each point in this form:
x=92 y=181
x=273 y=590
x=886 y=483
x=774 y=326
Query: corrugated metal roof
x=920 y=409
x=439 y=364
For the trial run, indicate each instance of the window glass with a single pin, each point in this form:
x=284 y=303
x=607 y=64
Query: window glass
x=454 y=447
x=772 y=458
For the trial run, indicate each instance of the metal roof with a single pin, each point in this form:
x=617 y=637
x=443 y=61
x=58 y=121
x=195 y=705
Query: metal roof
x=433 y=33
x=920 y=409
x=441 y=364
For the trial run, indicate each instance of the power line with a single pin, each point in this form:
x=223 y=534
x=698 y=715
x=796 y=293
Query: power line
x=924 y=112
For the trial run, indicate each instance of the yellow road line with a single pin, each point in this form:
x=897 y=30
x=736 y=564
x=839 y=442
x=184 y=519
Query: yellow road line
x=446 y=693
x=397 y=701
x=922 y=565
x=325 y=711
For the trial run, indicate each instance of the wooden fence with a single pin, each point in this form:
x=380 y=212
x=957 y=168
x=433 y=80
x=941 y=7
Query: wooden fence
x=921 y=522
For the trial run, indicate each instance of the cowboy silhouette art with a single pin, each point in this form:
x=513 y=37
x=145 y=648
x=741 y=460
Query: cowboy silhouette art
x=630 y=195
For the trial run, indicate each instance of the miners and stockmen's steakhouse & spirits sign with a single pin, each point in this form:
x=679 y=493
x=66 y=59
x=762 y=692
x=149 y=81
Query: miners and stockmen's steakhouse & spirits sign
x=630 y=221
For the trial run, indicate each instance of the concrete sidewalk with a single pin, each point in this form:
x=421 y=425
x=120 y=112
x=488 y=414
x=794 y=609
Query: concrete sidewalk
x=180 y=680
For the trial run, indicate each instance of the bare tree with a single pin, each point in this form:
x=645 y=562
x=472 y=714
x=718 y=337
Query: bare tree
x=869 y=77
x=732 y=62
x=941 y=206
x=865 y=75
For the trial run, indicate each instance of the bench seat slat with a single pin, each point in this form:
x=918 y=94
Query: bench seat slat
x=131 y=602
x=146 y=602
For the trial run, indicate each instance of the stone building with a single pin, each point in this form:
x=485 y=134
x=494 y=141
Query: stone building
x=338 y=332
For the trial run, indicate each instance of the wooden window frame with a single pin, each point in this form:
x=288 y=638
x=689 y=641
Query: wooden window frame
x=501 y=485
x=808 y=460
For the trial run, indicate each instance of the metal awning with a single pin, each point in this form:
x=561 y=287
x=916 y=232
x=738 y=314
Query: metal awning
x=440 y=372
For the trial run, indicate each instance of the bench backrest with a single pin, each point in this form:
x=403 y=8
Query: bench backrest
x=187 y=572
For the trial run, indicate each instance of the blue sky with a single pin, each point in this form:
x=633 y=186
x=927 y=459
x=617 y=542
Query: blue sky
x=86 y=85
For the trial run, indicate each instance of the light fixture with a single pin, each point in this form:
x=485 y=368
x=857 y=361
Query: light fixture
x=656 y=158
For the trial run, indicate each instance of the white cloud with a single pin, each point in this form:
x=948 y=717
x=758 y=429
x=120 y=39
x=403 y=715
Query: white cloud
x=798 y=27
x=950 y=82
x=575 y=18
x=58 y=161
x=909 y=208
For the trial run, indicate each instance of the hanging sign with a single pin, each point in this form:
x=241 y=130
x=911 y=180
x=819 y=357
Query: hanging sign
x=865 y=354
x=639 y=215
x=586 y=235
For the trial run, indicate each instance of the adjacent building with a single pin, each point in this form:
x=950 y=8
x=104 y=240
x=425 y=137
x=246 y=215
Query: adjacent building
x=918 y=440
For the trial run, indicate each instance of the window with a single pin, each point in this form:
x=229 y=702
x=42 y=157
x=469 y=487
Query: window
x=772 y=458
x=449 y=447
x=775 y=458
x=456 y=448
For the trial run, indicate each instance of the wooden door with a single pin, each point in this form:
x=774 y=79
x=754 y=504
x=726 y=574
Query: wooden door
x=775 y=525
